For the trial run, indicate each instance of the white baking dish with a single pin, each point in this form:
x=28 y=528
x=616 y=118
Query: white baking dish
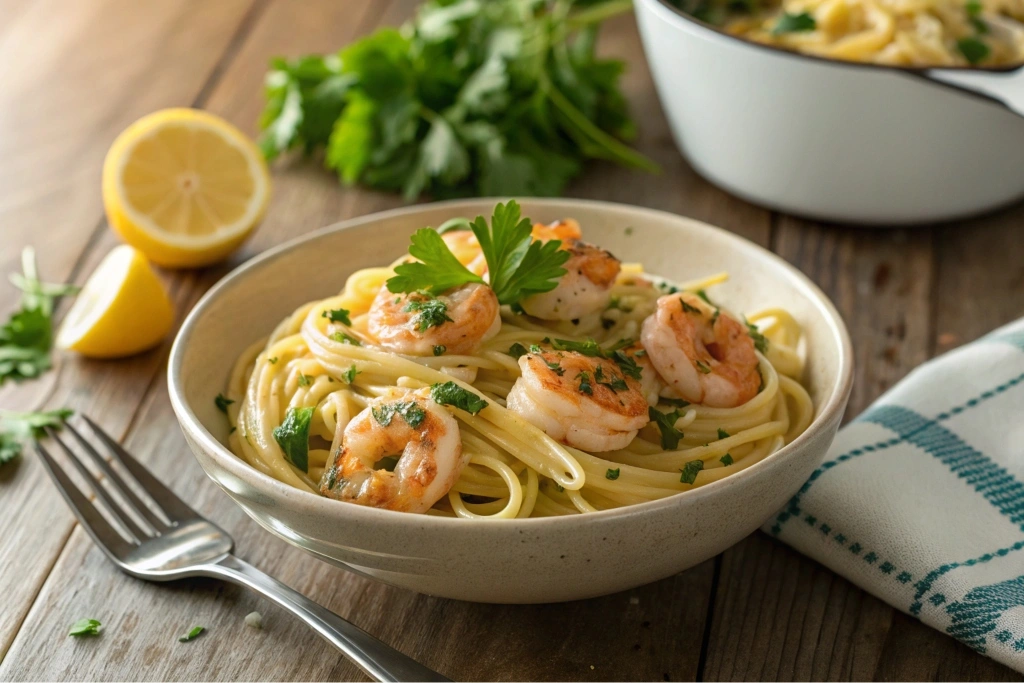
x=831 y=140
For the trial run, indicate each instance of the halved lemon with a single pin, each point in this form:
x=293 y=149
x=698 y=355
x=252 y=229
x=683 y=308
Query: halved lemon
x=185 y=187
x=122 y=309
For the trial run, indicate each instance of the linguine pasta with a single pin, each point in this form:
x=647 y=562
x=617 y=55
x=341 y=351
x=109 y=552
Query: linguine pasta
x=514 y=469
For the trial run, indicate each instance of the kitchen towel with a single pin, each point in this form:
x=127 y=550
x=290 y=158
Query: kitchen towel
x=920 y=500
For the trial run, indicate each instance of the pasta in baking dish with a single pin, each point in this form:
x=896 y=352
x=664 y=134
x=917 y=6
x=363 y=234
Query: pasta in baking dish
x=897 y=32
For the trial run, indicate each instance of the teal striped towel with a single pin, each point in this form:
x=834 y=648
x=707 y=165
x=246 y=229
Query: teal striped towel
x=920 y=500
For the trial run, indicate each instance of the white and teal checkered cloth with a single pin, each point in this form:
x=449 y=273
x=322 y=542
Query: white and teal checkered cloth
x=920 y=500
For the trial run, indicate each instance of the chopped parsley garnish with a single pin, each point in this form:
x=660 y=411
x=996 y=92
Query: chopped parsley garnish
x=192 y=634
x=677 y=402
x=409 y=410
x=760 y=341
x=585 y=387
x=690 y=471
x=272 y=361
x=555 y=367
x=346 y=339
x=666 y=422
x=973 y=49
x=305 y=380
x=17 y=428
x=714 y=317
x=293 y=436
x=440 y=349
x=726 y=460
x=973 y=7
x=794 y=23
x=338 y=315
x=517 y=350
x=615 y=383
x=612 y=474
x=222 y=402
x=451 y=394
x=587 y=348
x=722 y=434
x=518 y=266
x=350 y=375
x=687 y=308
x=559 y=487
x=704 y=296
x=85 y=627
x=534 y=348
x=703 y=367
x=628 y=365
x=430 y=312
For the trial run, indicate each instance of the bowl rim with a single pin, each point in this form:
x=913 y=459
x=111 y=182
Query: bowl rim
x=667 y=9
x=278 y=491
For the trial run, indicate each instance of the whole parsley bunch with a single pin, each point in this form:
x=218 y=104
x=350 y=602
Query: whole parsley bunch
x=473 y=97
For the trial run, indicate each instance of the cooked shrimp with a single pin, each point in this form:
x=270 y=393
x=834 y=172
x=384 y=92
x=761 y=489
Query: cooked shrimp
x=466 y=248
x=423 y=435
x=565 y=230
x=583 y=401
x=585 y=287
x=650 y=382
x=705 y=355
x=419 y=324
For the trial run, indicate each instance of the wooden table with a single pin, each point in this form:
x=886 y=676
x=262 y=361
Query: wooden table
x=77 y=73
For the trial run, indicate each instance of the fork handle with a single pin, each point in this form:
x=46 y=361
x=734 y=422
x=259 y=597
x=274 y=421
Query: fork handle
x=378 y=660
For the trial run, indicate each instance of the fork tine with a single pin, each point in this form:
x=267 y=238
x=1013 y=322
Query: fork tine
x=104 y=535
x=113 y=507
x=172 y=507
x=126 y=492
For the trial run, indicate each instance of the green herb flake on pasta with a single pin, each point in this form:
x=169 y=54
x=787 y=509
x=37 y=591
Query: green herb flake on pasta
x=451 y=394
x=293 y=436
x=690 y=471
x=612 y=474
x=338 y=315
x=726 y=460
x=222 y=402
x=722 y=434
x=794 y=23
x=666 y=423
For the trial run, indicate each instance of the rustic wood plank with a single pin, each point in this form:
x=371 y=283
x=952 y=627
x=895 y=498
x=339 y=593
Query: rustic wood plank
x=70 y=95
x=803 y=622
x=568 y=638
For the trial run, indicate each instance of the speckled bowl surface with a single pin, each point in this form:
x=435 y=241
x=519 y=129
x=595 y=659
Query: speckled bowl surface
x=511 y=561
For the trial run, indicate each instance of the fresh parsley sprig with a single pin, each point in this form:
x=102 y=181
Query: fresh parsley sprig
x=472 y=97
x=18 y=428
x=517 y=265
x=27 y=336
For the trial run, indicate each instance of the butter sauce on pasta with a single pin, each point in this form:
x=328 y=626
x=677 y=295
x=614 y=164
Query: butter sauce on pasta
x=315 y=361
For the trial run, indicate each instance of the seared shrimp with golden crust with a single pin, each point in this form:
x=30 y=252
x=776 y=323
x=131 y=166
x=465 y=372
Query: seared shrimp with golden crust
x=466 y=248
x=418 y=324
x=423 y=435
x=585 y=287
x=583 y=401
x=704 y=354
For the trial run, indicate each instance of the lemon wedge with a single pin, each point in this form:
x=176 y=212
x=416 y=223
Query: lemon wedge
x=122 y=309
x=185 y=187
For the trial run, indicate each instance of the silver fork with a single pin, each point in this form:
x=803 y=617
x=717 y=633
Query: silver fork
x=163 y=539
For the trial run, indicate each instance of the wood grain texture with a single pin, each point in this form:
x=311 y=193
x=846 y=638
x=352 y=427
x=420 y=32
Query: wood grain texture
x=774 y=615
x=103 y=65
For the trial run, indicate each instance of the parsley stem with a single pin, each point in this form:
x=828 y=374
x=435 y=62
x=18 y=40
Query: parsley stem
x=617 y=151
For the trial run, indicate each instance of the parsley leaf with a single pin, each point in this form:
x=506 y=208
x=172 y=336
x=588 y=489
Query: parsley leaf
x=555 y=367
x=612 y=474
x=430 y=312
x=437 y=269
x=305 y=380
x=666 y=423
x=17 y=428
x=222 y=402
x=690 y=471
x=794 y=23
x=451 y=394
x=760 y=341
x=293 y=436
x=722 y=434
x=85 y=627
x=585 y=387
x=440 y=349
x=517 y=350
x=27 y=336
x=628 y=365
x=687 y=308
x=517 y=265
x=409 y=410
x=587 y=348
x=726 y=460
x=192 y=634
x=343 y=338
x=338 y=315
x=703 y=367
x=973 y=49
x=350 y=375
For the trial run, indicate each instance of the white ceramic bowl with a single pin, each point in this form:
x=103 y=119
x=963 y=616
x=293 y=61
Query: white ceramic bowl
x=834 y=140
x=517 y=561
